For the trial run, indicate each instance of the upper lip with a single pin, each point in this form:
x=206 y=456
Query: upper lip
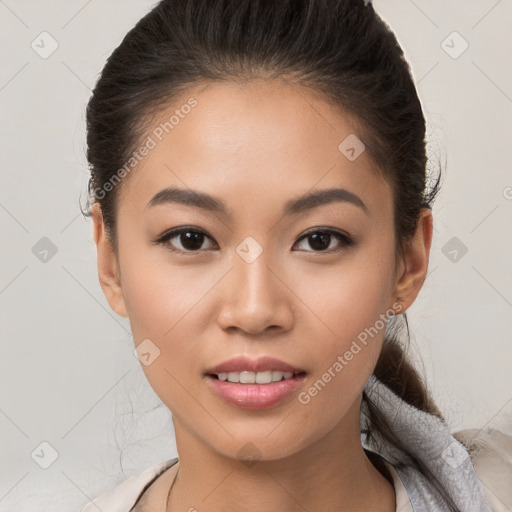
x=244 y=363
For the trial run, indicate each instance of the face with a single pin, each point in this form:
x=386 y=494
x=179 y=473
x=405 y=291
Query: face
x=260 y=274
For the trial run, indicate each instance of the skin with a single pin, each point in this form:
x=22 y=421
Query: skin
x=255 y=146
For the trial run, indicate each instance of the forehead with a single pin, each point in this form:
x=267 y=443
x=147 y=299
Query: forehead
x=257 y=139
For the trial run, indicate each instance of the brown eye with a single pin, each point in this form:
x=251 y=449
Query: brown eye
x=184 y=239
x=323 y=240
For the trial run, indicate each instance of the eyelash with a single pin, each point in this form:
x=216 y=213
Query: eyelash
x=164 y=239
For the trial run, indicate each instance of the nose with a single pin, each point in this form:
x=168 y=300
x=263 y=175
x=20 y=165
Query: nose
x=254 y=298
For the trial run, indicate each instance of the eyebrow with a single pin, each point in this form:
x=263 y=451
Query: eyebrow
x=309 y=201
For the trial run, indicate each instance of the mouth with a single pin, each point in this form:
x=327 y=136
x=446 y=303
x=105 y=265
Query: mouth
x=243 y=369
x=241 y=390
x=250 y=377
x=261 y=383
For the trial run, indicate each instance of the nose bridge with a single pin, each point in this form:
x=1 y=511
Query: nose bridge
x=253 y=280
x=256 y=298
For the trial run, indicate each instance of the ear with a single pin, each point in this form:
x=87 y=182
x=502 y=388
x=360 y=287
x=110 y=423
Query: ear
x=108 y=265
x=414 y=264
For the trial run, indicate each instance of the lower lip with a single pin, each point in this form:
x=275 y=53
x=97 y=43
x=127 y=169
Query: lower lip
x=255 y=396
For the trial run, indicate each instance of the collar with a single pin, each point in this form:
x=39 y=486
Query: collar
x=432 y=466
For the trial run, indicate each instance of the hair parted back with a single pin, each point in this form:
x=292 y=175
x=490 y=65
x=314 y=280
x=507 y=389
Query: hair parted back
x=340 y=48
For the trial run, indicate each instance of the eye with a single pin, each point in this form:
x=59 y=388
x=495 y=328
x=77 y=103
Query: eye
x=321 y=240
x=187 y=239
x=191 y=239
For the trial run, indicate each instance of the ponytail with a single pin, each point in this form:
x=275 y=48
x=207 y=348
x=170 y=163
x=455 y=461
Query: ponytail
x=397 y=372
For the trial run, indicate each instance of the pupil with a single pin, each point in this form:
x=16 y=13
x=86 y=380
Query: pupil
x=192 y=240
x=319 y=240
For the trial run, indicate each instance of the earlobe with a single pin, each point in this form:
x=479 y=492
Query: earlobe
x=414 y=266
x=108 y=266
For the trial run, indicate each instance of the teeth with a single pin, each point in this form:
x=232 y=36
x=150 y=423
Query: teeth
x=255 y=377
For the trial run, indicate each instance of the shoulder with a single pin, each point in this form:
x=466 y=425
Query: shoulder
x=123 y=496
x=491 y=453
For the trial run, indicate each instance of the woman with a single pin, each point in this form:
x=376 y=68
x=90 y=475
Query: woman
x=262 y=218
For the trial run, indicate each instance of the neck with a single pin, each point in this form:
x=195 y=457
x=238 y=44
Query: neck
x=332 y=473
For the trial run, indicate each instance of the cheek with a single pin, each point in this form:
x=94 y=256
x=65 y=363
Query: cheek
x=165 y=305
x=343 y=363
x=160 y=296
x=351 y=312
x=347 y=300
x=162 y=302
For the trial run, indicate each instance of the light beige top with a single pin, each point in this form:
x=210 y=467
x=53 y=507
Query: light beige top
x=491 y=453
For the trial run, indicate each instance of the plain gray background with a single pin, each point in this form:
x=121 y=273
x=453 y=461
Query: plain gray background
x=69 y=377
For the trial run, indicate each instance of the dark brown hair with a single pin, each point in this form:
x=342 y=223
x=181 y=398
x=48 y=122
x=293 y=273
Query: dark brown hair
x=341 y=48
